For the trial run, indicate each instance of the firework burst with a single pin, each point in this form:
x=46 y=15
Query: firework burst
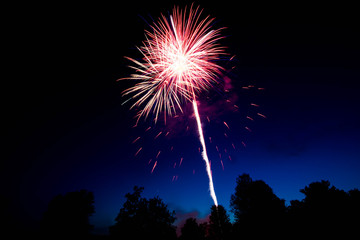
x=178 y=61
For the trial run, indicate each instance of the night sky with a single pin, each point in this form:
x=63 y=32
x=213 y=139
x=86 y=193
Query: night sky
x=66 y=128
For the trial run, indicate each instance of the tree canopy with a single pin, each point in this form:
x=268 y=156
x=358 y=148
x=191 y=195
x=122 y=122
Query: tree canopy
x=325 y=211
x=141 y=218
x=68 y=215
x=192 y=230
x=220 y=227
x=257 y=210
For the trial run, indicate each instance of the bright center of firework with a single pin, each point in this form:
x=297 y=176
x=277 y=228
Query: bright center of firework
x=180 y=65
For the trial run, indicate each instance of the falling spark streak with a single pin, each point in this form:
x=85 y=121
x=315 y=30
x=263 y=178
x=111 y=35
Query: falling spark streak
x=136 y=140
x=152 y=170
x=250 y=118
x=226 y=125
x=138 y=151
x=158 y=135
x=204 y=154
x=261 y=115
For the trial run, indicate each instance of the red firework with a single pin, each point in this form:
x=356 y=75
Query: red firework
x=179 y=60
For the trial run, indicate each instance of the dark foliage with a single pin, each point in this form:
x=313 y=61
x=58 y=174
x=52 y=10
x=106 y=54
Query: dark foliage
x=220 y=227
x=68 y=215
x=192 y=230
x=325 y=212
x=142 y=218
x=258 y=211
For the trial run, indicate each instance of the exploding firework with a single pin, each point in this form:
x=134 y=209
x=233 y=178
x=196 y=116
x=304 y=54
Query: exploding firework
x=178 y=61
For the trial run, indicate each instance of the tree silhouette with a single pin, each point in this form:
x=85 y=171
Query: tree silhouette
x=325 y=211
x=141 y=218
x=192 y=230
x=68 y=215
x=257 y=210
x=354 y=211
x=220 y=226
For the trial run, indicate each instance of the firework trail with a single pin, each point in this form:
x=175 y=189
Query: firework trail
x=204 y=154
x=178 y=62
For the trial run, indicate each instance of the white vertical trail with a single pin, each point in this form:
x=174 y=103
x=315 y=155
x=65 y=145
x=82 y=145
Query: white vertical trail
x=204 y=154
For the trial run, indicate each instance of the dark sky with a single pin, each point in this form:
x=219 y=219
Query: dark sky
x=66 y=128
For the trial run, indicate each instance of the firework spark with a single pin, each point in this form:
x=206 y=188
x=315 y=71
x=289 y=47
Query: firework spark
x=152 y=170
x=138 y=151
x=178 y=61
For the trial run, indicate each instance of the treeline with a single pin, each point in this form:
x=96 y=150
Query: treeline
x=325 y=211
